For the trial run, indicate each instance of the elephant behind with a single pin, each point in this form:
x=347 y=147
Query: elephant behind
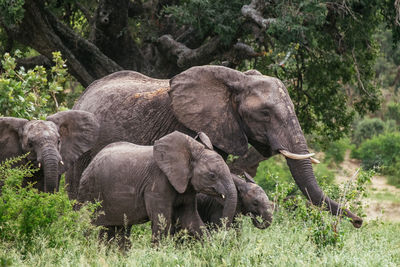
x=136 y=184
x=231 y=107
x=53 y=144
x=252 y=201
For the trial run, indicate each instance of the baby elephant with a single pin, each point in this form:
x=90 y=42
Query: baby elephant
x=159 y=183
x=252 y=201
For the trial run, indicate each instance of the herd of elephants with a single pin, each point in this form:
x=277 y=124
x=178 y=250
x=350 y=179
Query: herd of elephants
x=155 y=150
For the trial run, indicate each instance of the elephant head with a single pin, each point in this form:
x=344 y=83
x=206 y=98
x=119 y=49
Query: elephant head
x=186 y=161
x=235 y=108
x=53 y=144
x=254 y=202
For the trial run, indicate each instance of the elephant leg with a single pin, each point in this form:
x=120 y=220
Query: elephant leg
x=74 y=174
x=160 y=213
x=190 y=220
x=116 y=232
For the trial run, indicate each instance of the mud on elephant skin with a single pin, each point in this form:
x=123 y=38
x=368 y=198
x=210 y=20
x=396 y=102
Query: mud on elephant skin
x=233 y=108
x=53 y=144
x=140 y=183
x=252 y=202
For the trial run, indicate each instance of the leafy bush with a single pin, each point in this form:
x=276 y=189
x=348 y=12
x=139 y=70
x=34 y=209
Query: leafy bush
x=336 y=151
x=33 y=93
x=366 y=129
x=382 y=151
x=26 y=214
x=393 y=112
x=274 y=171
x=323 y=228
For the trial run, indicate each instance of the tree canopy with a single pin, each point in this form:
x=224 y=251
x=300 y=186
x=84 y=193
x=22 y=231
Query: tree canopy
x=324 y=51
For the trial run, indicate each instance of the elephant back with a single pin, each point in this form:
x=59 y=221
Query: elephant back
x=117 y=87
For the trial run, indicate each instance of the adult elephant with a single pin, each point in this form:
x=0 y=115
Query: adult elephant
x=231 y=107
x=53 y=144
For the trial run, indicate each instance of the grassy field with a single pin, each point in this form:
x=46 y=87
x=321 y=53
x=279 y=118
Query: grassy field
x=286 y=243
x=39 y=229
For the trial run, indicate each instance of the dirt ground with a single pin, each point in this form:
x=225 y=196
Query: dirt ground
x=383 y=199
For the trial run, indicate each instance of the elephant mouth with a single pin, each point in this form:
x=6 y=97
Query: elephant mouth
x=259 y=221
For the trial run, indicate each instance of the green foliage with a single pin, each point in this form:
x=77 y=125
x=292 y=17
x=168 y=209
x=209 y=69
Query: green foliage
x=215 y=18
x=323 y=228
x=336 y=151
x=366 y=129
x=321 y=50
x=12 y=11
x=382 y=151
x=274 y=172
x=393 y=112
x=26 y=213
x=32 y=93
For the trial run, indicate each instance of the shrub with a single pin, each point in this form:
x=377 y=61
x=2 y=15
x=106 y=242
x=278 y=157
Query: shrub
x=382 y=151
x=321 y=227
x=393 y=112
x=26 y=213
x=336 y=151
x=366 y=129
x=32 y=93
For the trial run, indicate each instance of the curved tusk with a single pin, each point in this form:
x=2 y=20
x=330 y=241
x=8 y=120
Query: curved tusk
x=295 y=156
x=223 y=196
x=39 y=165
x=62 y=163
x=315 y=161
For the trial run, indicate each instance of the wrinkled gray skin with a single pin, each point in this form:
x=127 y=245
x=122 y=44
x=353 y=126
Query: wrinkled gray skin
x=252 y=201
x=231 y=107
x=146 y=182
x=53 y=144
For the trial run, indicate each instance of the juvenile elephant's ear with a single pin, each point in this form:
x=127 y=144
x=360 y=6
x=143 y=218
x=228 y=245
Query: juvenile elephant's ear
x=248 y=178
x=203 y=100
x=10 y=143
x=172 y=154
x=205 y=140
x=78 y=131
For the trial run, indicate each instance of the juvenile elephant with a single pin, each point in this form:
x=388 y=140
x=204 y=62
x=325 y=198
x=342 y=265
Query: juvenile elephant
x=231 y=107
x=141 y=183
x=252 y=201
x=53 y=144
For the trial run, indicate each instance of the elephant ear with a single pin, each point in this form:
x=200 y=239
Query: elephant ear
x=10 y=143
x=173 y=154
x=248 y=178
x=203 y=100
x=78 y=131
x=205 y=140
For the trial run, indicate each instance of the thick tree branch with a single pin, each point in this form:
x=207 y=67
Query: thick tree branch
x=42 y=31
x=253 y=12
x=187 y=57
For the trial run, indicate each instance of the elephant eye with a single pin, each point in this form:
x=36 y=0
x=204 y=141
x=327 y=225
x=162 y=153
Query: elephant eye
x=255 y=203
x=212 y=176
x=30 y=144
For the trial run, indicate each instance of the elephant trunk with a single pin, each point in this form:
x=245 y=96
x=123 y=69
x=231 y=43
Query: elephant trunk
x=303 y=174
x=51 y=159
x=265 y=223
x=230 y=202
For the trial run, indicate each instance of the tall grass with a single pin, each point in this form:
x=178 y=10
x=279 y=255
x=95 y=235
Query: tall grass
x=300 y=235
x=285 y=243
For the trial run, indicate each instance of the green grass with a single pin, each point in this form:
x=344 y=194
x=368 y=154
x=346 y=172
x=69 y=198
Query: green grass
x=300 y=235
x=386 y=196
x=285 y=243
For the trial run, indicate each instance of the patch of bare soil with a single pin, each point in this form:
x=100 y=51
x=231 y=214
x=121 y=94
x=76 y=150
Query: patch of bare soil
x=384 y=199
